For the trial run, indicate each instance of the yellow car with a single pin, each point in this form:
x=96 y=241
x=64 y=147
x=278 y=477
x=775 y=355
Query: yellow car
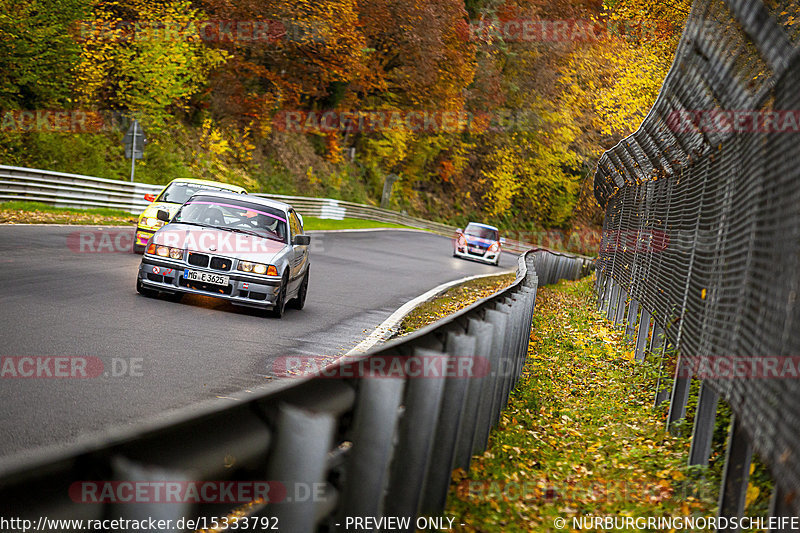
x=170 y=199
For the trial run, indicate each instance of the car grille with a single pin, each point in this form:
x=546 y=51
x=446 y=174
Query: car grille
x=196 y=259
x=157 y=278
x=221 y=263
x=217 y=263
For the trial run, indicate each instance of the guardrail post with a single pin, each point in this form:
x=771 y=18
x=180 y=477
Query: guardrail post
x=126 y=470
x=414 y=442
x=499 y=320
x=299 y=461
x=733 y=492
x=434 y=495
x=487 y=332
x=703 y=425
x=476 y=409
x=374 y=428
x=641 y=335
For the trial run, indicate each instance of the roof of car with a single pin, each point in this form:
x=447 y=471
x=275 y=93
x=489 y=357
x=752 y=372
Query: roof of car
x=210 y=183
x=487 y=226
x=250 y=198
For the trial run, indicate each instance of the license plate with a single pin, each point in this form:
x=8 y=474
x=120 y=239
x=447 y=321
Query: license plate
x=205 y=277
x=476 y=249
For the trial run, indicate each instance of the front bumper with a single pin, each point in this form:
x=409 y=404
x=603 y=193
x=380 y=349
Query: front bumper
x=486 y=256
x=167 y=276
x=142 y=236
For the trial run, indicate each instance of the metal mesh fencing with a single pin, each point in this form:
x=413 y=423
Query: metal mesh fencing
x=702 y=203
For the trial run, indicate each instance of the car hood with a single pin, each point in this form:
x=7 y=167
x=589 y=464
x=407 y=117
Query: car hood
x=219 y=242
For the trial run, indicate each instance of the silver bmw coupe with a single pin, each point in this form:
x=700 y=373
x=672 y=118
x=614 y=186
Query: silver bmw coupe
x=248 y=250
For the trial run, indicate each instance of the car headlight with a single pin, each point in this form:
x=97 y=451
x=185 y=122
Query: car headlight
x=257 y=268
x=494 y=247
x=151 y=222
x=165 y=251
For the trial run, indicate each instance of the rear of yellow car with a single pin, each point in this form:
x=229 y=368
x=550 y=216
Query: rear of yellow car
x=171 y=198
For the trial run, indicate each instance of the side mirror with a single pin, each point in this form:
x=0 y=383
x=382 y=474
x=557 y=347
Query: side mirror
x=502 y=240
x=150 y=197
x=302 y=240
x=162 y=215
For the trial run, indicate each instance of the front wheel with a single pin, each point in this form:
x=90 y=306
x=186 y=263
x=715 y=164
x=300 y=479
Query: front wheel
x=143 y=291
x=300 y=301
x=280 y=305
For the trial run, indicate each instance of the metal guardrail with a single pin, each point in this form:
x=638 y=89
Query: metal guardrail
x=701 y=244
x=86 y=192
x=363 y=446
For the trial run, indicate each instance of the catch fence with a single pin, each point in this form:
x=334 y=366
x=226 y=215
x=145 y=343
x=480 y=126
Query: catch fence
x=701 y=240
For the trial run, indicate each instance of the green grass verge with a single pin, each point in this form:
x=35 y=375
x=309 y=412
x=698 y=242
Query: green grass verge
x=580 y=436
x=314 y=223
x=18 y=212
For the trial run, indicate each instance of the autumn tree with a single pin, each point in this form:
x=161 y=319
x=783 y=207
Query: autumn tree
x=143 y=57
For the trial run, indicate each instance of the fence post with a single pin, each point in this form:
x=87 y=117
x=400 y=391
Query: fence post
x=658 y=345
x=633 y=315
x=621 y=304
x=703 y=431
x=680 y=393
x=612 y=300
x=736 y=474
x=779 y=506
x=641 y=335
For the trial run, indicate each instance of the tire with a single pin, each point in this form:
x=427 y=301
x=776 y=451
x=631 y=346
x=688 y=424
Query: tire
x=300 y=301
x=150 y=293
x=280 y=305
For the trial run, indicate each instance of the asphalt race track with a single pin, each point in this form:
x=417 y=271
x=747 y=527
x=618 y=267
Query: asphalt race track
x=159 y=355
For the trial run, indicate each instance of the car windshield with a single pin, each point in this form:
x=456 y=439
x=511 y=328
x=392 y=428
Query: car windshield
x=474 y=230
x=235 y=216
x=178 y=193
